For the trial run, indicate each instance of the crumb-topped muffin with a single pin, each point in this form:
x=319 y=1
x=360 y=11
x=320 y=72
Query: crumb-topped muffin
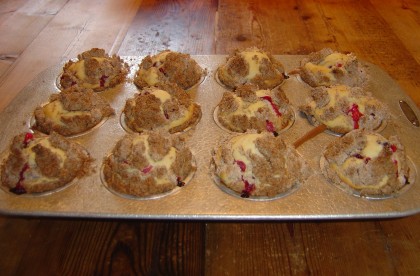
x=258 y=164
x=164 y=106
x=342 y=108
x=38 y=163
x=249 y=107
x=72 y=111
x=168 y=66
x=327 y=67
x=94 y=69
x=148 y=164
x=366 y=163
x=251 y=65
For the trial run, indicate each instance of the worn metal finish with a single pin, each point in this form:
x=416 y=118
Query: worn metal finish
x=201 y=198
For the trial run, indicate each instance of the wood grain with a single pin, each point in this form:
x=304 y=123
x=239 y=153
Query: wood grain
x=184 y=26
x=20 y=24
x=76 y=27
x=94 y=247
x=38 y=34
x=306 y=248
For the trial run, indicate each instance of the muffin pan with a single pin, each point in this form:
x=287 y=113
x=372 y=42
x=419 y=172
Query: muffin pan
x=202 y=198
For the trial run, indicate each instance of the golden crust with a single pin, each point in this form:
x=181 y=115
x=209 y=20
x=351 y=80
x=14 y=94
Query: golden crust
x=175 y=112
x=47 y=171
x=131 y=170
x=168 y=66
x=82 y=110
x=236 y=70
x=336 y=107
x=266 y=167
x=348 y=72
x=100 y=71
x=347 y=162
x=237 y=112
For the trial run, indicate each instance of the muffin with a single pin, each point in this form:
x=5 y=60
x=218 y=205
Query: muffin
x=366 y=164
x=249 y=107
x=148 y=164
x=168 y=66
x=258 y=165
x=162 y=107
x=342 y=108
x=72 y=111
x=38 y=163
x=251 y=65
x=94 y=69
x=327 y=67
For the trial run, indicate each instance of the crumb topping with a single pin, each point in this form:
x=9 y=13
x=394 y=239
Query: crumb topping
x=94 y=69
x=165 y=106
x=147 y=164
x=72 y=111
x=326 y=67
x=342 y=108
x=258 y=164
x=251 y=65
x=38 y=163
x=249 y=107
x=168 y=66
x=368 y=163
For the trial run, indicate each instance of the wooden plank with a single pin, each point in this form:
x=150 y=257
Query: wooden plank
x=402 y=16
x=78 y=26
x=306 y=248
x=93 y=247
x=15 y=236
x=402 y=241
x=277 y=26
x=22 y=26
x=184 y=26
x=9 y=7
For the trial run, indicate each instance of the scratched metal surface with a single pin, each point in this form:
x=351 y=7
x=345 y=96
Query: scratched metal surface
x=201 y=198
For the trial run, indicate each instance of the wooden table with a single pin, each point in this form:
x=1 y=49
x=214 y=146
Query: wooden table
x=38 y=34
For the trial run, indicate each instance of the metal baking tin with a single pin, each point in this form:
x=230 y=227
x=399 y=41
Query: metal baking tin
x=201 y=198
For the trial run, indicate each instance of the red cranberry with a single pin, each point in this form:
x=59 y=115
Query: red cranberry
x=19 y=189
x=396 y=166
x=241 y=165
x=393 y=148
x=358 y=156
x=179 y=182
x=163 y=71
x=273 y=105
x=147 y=169
x=102 y=80
x=249 y=188
x=269 y=126
x=355 y=114
x=28 y=137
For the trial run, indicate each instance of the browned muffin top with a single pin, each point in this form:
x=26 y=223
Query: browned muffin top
x=72 y=111
x=251 y=65
x=38 y=163
x=94 y=69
